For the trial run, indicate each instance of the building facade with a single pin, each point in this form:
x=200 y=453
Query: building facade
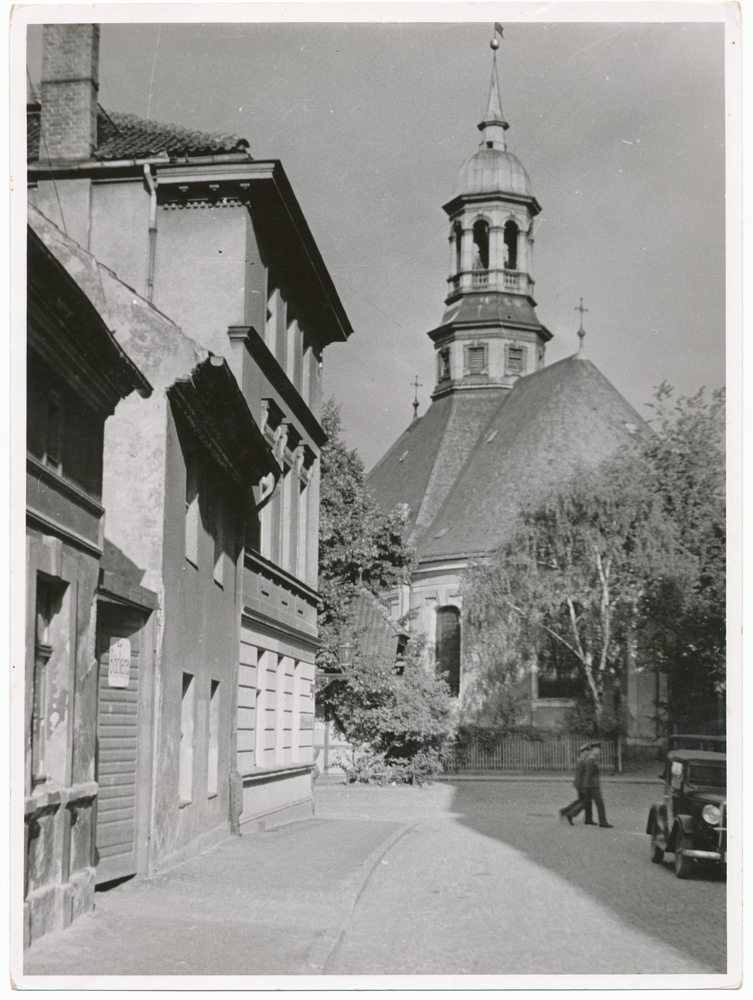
x=501 y=426
x=76 y=375
x=204 y=234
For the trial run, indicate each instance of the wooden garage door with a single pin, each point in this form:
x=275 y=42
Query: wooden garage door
x=117 y=745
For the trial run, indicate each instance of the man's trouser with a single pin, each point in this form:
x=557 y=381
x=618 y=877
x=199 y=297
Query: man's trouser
x=582 y=802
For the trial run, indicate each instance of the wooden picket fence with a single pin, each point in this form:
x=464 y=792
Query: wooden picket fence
x=513 y=753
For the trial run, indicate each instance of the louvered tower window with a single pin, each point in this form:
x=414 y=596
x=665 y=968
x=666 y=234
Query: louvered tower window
x=476 y=358
x=515 y=360
x=444 y=364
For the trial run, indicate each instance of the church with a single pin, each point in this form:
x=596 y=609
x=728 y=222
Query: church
x=501 y=426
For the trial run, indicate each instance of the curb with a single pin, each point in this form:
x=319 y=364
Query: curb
x=605 y=779
x=325 y=948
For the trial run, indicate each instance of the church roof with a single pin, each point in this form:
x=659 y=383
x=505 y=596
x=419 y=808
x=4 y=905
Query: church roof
x=552 y=421
x=497 y=308
x=422 y=465
x=123 y=136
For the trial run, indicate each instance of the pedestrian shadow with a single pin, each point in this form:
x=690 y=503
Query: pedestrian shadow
x=612 y=866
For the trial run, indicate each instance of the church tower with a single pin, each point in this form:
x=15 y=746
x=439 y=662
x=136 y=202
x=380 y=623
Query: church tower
x=489 y=335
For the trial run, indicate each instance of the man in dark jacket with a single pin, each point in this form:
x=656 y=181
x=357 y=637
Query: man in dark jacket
x=592 y=784
x=583 y=801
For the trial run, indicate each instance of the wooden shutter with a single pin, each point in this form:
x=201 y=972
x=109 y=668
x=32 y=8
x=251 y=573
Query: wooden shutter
x=117 y=750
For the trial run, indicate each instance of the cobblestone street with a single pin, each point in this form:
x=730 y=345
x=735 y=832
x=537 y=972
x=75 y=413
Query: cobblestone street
x=475 y=878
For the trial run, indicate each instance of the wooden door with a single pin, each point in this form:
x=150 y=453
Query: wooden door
x=117 y=741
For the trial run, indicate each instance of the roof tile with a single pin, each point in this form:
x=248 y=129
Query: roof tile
x=122 y=136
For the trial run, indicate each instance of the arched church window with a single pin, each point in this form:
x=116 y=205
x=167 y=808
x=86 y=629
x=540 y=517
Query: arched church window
x=444 y=364
x=481 y=245
x=511 y=244
x=447 y=646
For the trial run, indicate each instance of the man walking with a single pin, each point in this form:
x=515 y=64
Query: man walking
x=583 y=801
x=591 y=788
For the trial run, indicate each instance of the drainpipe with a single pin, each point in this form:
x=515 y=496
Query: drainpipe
x=152 y=230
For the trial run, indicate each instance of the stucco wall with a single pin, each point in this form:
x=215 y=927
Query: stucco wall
x=200 y=270
x=199 y=639
x=120 y=230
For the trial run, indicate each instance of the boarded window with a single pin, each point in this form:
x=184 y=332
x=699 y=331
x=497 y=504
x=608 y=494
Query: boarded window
x=447 y=646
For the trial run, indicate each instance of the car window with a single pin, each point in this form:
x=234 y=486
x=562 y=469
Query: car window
x=704 y=774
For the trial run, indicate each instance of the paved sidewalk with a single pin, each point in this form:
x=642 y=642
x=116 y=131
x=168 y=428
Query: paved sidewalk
x=272 y=903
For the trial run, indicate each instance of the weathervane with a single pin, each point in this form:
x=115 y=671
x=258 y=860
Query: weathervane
x=581 y=332
x=416 y=385
x=498 y=30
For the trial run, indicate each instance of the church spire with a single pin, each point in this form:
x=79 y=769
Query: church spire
x=493 y=125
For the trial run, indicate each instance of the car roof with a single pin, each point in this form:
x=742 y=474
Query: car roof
x=702 y=756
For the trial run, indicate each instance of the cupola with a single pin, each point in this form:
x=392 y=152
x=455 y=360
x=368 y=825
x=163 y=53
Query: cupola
x=490 y=335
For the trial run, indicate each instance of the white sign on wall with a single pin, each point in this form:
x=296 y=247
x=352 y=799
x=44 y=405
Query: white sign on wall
x=119 y=672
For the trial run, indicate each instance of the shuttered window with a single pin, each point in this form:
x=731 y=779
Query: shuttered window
x=477 y=360
x=515 y=360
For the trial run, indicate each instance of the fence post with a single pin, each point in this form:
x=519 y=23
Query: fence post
x=619 y=755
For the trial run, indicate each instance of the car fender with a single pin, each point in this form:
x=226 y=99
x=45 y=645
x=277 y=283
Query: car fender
x=657 y=815
x=684 y=824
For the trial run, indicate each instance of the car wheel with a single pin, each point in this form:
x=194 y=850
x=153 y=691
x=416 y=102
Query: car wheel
x=683 y=865
x=657 y=853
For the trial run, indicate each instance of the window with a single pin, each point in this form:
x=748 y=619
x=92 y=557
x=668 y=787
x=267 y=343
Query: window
x=192 y=507
x=511 y=246
x=185 y=763
x=270 y=329
x=49 y=601
x=218 y=531
x=481 y=245
x=476 y=359
x=53 y=450
x=444 y=364
x=213 y=743
x=447 y=646
x=291 y=348
x=515 y=361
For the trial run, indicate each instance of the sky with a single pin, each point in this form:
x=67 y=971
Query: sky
x=620 y=126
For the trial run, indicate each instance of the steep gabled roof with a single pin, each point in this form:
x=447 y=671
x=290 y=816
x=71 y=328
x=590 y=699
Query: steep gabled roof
x=123 y=136
x=422 y=465
x=552 y=421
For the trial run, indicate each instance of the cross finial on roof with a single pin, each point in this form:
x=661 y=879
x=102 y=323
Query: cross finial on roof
x=416 y=385
x=581 y=332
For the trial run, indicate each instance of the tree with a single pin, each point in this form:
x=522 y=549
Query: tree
x=399 y=713
x=574 y=572
x=359 y=545
x=684 y=629
x=626 y=557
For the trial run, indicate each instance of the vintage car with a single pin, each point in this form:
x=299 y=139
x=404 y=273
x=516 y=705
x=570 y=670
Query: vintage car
x=691 y=820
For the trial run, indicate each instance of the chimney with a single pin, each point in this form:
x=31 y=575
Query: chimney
x=70 y=81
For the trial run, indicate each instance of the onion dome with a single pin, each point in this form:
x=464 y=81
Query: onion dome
x=493 y=171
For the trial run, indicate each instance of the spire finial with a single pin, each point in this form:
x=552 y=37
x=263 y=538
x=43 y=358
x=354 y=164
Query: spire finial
x=417 y=385
x=493 y=126
x=581 y=332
